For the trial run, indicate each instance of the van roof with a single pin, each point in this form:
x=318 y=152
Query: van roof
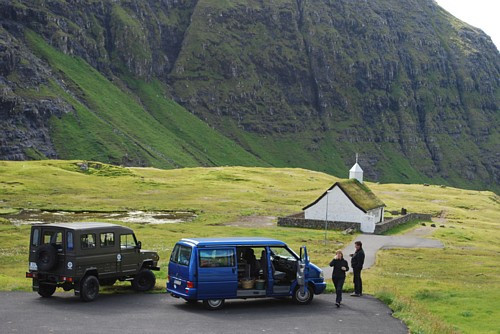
x=84 y=226
x=235 y=241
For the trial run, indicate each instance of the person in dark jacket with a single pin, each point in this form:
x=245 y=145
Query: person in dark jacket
x=340 y=267
x=357 y=260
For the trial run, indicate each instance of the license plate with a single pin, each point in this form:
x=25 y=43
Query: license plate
x=177 y=282
x=33 y=266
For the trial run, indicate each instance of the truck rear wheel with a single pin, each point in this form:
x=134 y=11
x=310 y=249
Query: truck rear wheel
x=89 y=288
x=46 y=290
x=213 y=304
x=145 y=280
x=303 y=298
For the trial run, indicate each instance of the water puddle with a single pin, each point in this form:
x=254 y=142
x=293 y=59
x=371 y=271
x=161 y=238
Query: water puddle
x=138 y=217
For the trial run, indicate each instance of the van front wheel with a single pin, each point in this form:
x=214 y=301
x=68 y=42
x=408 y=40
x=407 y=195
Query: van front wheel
x=213 y=304
x=303 y=298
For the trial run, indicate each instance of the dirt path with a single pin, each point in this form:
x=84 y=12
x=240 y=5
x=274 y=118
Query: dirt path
x=372 y=243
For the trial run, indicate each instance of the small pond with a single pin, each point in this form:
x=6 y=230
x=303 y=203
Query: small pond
x=138 y=217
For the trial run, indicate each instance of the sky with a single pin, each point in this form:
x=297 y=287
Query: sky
x=483 y=14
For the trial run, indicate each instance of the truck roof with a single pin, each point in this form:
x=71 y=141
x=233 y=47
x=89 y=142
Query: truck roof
x=85 y=226
x=234 y=241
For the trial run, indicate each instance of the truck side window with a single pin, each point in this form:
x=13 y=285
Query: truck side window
x=107 y=239
x=127 y=241
x=87 y=240
x=35 y=240
x=69 y=238
x=216 y=258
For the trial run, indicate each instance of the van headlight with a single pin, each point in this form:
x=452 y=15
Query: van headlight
x=321 y=275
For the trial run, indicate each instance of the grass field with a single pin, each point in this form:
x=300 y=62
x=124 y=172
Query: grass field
x=455 y=289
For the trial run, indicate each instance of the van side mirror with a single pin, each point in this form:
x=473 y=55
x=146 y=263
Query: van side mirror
x=139 y=245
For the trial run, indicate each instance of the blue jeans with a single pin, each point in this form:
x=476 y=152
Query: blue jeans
x=339 y=283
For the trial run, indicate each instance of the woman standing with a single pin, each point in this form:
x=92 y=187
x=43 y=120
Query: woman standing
x=340 y=267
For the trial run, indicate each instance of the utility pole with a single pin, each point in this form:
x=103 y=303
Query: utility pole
x=326 y=214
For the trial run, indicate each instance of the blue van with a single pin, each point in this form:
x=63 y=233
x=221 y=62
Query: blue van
x=216 y=269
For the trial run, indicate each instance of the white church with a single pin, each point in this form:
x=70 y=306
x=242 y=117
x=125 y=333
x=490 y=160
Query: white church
x=348 y=201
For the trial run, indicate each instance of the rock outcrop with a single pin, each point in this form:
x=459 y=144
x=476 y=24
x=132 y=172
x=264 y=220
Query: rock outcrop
x=293 y=82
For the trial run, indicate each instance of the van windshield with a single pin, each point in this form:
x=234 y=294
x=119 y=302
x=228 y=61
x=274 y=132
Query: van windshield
x=181 y=255
x=283 y=253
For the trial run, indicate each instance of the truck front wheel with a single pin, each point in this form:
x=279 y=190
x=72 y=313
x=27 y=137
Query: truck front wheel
x=145 y=280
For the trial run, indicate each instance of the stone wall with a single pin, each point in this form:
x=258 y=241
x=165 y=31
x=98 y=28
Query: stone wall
x=391 y=223
x=298 y=220
x=294 y=221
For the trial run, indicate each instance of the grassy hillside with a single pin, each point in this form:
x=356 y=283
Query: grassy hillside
x=111 y=124
x=288 y=83
x=435 y=291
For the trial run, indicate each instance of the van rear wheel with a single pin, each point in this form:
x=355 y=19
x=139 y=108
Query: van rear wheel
x=303 y=298
x=46 y=290
x=213 y=304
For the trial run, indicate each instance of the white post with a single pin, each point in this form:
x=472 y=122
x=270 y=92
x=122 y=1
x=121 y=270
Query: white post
x=326 y=213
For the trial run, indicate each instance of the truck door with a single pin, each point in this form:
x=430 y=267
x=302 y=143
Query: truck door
x=128 y=258
x=108 y=259
x=217 y=273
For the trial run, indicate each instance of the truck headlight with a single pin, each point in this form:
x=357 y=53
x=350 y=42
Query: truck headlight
x=321 y=275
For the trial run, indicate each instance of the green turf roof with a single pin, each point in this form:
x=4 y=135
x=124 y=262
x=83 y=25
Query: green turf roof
x=359 y=194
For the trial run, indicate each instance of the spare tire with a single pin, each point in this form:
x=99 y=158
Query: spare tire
x=46 y=257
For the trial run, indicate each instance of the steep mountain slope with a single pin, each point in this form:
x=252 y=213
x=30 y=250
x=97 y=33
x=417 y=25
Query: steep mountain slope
x=283 y=83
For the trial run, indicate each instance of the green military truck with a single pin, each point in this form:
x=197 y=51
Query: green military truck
x=85 y=256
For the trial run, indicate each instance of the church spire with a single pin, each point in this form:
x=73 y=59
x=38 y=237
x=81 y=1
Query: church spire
x=356 y=172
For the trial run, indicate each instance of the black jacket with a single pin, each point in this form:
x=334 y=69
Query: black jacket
x=358 y=259
x=337 y=268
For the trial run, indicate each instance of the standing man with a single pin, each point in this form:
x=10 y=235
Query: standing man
x=357 y=260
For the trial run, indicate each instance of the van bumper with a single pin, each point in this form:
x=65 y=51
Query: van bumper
x=188 y=293
x=319 y=287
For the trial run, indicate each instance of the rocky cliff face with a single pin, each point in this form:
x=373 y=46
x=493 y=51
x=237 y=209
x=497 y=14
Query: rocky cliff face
x=294 y=82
